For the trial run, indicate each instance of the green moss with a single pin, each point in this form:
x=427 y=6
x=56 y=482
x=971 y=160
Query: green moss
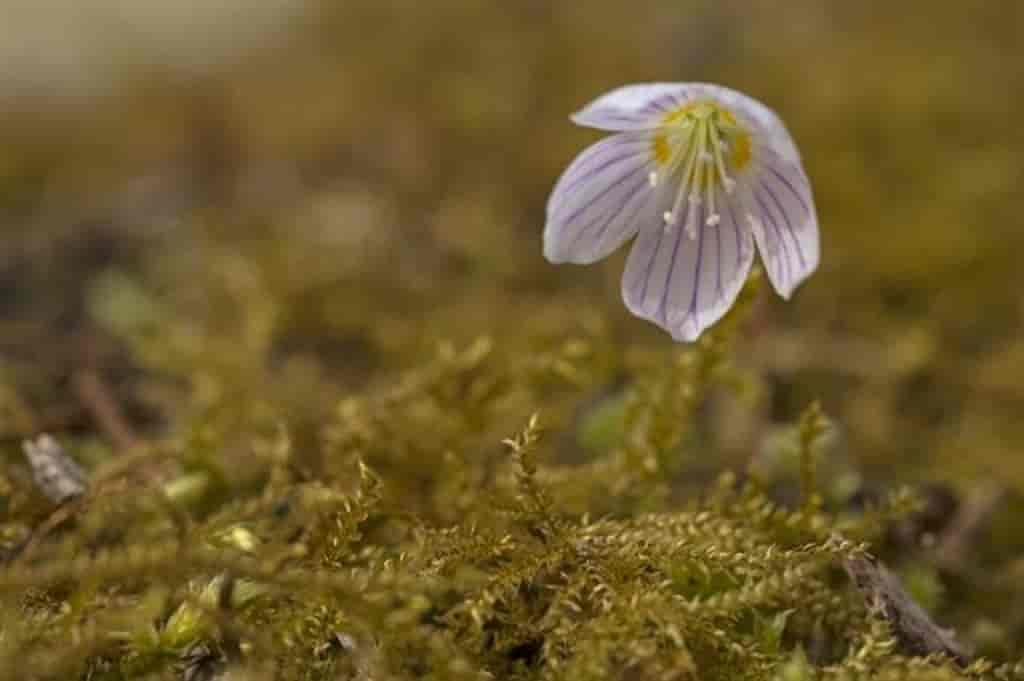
x=331 y=363
x=463 y=567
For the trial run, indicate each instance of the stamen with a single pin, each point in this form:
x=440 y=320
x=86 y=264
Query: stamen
x=696 y=180
x=691 y=219
x=712 y=210
x=712 y=218
x=690 y=152
x=718 y=144
x=698 y=162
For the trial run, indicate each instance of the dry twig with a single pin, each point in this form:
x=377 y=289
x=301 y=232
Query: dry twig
x=914 y=629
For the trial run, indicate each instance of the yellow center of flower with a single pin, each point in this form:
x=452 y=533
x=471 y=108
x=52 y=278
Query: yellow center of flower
x=698 y=145
x=678 y=127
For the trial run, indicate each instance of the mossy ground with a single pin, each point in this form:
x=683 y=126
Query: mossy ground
x=339 y=418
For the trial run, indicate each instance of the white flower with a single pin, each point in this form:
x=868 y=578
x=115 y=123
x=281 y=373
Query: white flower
x=698 y=173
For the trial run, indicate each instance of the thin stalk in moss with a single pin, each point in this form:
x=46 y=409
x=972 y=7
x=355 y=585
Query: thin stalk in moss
x=813 y=424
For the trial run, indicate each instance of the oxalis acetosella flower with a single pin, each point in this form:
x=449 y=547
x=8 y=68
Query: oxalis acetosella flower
x=699 y=174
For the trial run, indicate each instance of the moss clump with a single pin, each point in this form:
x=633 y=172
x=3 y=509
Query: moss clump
x=418 y=544
x=286 y=314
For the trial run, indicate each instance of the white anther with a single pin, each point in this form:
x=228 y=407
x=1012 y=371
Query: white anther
x=670 y=218
x=705 y=156
x=713 y=220
x=653 y=179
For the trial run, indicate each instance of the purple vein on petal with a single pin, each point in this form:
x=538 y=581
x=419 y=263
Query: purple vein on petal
x=787 y=267
x=603 y=165
x=625 y=118
x=784 y=180
x=650 y=268
x=664 y=103
x=629 y=199
x=663 y=309
x=696 y=272
x=636 y=213
x=736 y=231
x=600 y=194
x=789 y=225
x=718 y=263
x=610 y=218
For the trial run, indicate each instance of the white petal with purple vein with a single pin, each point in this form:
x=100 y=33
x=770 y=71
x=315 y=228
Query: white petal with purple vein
x=685 y=285
x=635 y=107
x=779 y=198
x=766 y=125
x=631 y=107
x=597 y=202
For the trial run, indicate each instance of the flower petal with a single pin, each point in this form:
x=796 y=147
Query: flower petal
x=597 y=202
x=632 y=107
x=765 y=123
x=685 y=285
x=786 y=231
x=639 y=107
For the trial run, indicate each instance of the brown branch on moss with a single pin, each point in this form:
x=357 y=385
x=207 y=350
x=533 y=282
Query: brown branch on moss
x=911 y=625
x=97 y=398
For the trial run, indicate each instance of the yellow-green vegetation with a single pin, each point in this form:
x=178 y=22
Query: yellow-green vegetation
x=337 y=418
x=451 y=554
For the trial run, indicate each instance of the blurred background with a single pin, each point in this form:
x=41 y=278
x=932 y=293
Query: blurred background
x=278 y=203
